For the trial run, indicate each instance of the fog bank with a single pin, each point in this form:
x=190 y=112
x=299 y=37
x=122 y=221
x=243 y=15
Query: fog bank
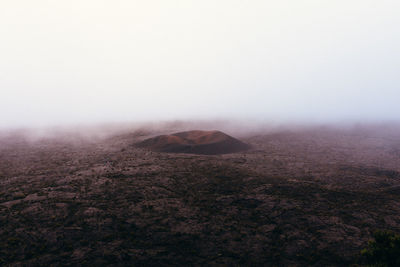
x=77 y=62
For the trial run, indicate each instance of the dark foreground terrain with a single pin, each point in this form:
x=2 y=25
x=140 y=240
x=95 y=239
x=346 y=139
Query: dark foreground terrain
x=310 y=197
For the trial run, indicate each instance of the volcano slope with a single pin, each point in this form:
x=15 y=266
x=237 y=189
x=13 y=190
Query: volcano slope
x=195 y=142
x=302 y=198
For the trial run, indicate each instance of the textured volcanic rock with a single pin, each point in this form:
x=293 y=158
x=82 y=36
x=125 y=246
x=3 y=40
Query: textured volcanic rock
x=195 y=142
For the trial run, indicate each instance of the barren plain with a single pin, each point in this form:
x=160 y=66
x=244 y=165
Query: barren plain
x=301 y=197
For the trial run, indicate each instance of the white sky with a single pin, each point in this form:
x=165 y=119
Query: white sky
x=80 y=61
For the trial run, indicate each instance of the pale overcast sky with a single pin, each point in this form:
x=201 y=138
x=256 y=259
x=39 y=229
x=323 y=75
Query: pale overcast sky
x=77 y=61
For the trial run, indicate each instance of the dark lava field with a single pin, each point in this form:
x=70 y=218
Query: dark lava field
x=299 y=197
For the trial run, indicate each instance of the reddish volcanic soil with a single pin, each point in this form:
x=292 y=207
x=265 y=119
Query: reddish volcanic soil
x=195 y=142
x=301 y=197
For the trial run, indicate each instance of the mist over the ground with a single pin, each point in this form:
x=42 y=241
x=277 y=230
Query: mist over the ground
x=77 y=62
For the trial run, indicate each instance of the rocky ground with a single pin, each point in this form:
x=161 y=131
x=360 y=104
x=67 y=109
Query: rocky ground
x=309 y=197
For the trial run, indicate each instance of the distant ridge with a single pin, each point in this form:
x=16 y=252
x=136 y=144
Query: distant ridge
x=195 y=142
